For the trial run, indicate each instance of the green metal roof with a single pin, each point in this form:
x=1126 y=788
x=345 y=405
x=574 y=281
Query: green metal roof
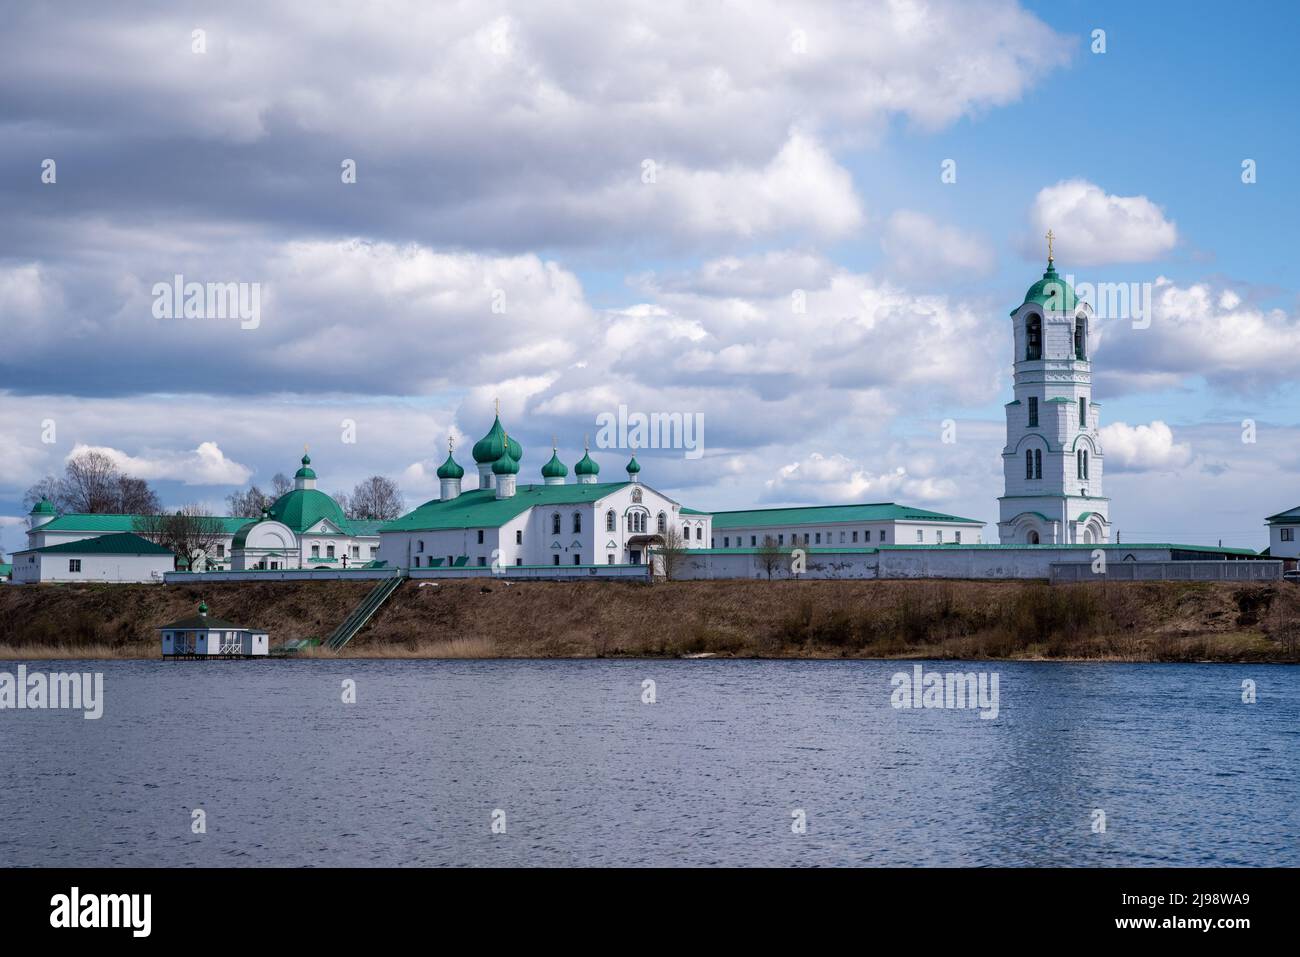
x=693 y=511
x=1051 y=291
x=481 y=508
x=122 y=543
x=812 y=514
x=77 y=522
x=6 y=570
x=304 y=507
x=1288 y=517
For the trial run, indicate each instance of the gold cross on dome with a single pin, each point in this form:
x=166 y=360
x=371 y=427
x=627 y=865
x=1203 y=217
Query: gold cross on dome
x=1050 y=237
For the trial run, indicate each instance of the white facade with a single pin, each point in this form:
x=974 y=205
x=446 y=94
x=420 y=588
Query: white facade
x=1052 y=462
x=1284 y=534
x=35 y=566
x=614 y=528
x=814 y=533
x=214 y=642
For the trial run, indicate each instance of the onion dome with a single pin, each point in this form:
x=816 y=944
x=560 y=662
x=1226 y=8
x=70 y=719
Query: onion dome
x=555 y=468
x=203 y=607
x=633 y=467
x=490 y=447
x=586 y=465
x=305 y=471
x=450 y=469
x=43 y=507
x=506 y=464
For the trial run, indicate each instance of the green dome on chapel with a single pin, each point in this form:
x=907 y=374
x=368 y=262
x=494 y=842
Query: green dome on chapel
x=555 y=468
x=43 y=507
x=1051 y=291
x=306 y=470
x=506 y=465
x=490 y=447
x=450 y=469
x=304 y=507
x=586 y=465
x=634 y=466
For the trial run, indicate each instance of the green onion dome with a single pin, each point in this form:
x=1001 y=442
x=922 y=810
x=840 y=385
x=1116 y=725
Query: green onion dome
x=555 y=468
x=506 y=465
x=305 y=471
x=586 y=465
x=634 y=466
x=490 y=447
x=1051 y=291
x=43 y=507
x=450 y=469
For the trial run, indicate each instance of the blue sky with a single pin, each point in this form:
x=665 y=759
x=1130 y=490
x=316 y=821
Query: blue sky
x=799 y=148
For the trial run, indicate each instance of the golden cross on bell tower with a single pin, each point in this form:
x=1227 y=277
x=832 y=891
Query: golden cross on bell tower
x=1050 y=237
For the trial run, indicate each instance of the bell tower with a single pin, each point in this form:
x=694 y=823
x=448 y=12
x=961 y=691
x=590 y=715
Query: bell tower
x=1052 y=462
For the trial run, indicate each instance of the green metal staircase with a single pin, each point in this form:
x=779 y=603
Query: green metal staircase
x=365 y=611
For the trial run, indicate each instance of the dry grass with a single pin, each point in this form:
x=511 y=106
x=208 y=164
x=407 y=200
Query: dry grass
x=1140 y=621
x=64 y=652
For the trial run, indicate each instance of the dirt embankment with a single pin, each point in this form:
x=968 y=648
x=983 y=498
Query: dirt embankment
x=1158 y=621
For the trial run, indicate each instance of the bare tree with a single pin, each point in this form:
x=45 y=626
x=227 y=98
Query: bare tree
x=48 y=489
x=771 y=555
x=378 y=497
x=135 y=497
x=249 y=503
x=281 y=484
x=91 y=483
x=671 y=552
x=190 y=534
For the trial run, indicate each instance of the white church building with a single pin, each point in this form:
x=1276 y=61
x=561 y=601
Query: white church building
x=1052 y=462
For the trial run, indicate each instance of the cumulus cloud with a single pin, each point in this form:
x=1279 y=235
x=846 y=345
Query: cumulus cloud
x=1143 y=448
x=837 y=478
x=918 y=247
x=205 y=465
x=1201 y=331
x=1092 y=226
x=510 y=128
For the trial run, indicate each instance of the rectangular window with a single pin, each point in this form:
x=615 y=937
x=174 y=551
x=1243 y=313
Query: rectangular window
x=841 y=538
x=956 y=537
x=577 y=559
x=920 y=536
x=329 y=551
x=819 y=538
x=482 y=562
x=753 y=541
x=519 y=561
x=699 y=533
x=519 y=536
x=315 y=551
x=480 y=536
x=417 y=561
x=855 y=536
x=555 y=559
x=1287 y=534
x=356 y=551
x=726 y=542
x=74 y=564
x=866 y=536
x=882 y=535
x=609 y=559
x=938 y=535
x=780 y=539
x=1033 y=411
x=221 y=551
x=1083 y=412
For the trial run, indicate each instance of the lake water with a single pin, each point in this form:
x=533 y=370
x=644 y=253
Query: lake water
x=712 y=773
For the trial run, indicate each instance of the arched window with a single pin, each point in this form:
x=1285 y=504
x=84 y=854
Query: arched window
x=577 y=522
x=1038 y=463
x=555 y=524
x=1034 y=337
x=1032 y=538
x=1085 y=464
x=1029 y=463
x=663 y=523
x=1081 y=336
x=611 y=523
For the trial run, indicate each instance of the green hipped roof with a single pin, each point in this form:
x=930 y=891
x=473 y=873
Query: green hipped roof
x=1052 y=291
x=77 y=522
x=122 y=543
x=812 y=514
x=490 y=447
x=481 y=508
x=1290 y=516
x=555 y=468
x=450 y=469
x=43 y=507
x=586 y=465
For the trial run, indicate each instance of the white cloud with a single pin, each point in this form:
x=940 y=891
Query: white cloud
x=836 y=478
x=918 y=247
x=205 y=465
x=1091 y=226
x=1143 y=448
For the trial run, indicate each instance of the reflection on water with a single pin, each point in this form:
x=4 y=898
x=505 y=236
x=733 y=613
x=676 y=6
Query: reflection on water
x=711 y=773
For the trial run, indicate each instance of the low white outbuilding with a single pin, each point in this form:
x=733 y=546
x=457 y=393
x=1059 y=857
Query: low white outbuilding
x=202 y=636
x=124 y=557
